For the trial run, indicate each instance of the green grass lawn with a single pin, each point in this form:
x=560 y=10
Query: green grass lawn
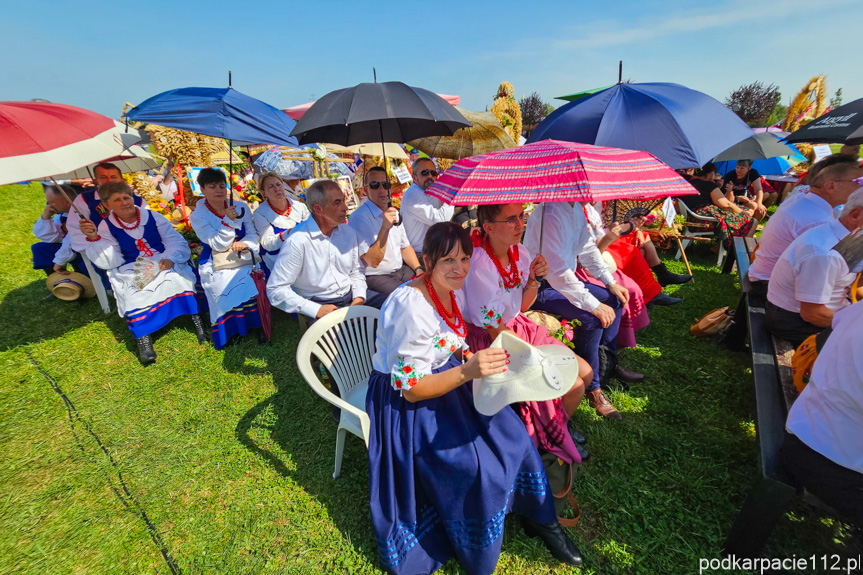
x=221 y=462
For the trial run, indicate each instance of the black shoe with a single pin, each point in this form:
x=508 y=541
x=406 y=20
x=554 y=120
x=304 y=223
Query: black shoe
x=582 y=451
x=627 y=375
x=146 y=353
x=665 y=277
x=262 y=337
x=663 y=299
x=556 y=541
x=577 y=437
x=200 y=330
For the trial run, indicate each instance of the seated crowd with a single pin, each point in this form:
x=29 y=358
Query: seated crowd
x=444 y=295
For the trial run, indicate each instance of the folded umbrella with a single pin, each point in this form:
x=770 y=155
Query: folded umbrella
x=681 y=127
x=264 y=308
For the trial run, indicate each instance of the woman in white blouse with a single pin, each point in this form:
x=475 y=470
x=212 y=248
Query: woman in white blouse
x=231 y=292
x=442 y=476
x=148 y=266
x=500 y=286
x=276 y=217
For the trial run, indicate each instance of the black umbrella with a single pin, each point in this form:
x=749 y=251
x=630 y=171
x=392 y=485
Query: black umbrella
x=842 y=125
x=384 y=112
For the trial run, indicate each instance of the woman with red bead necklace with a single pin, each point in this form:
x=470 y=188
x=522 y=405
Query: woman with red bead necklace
x=149 y=299
x=500 y=286
x=231 y=292
x=441 y=475
x=276 y=217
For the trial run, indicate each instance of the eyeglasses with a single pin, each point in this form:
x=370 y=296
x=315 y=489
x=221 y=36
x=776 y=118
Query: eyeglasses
x=429 y=173
x=512 y=220
x=376 y=185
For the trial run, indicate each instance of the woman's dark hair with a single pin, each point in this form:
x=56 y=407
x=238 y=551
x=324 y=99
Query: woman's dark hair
x=707 y=168
x=440 y=240
x=487 y=213
x=209 y=176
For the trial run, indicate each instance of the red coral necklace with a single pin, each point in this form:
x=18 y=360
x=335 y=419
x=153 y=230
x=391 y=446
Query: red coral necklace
x=137 y=220
x=511 y=277
x=286 y=213
x=459 y=326
x=213 y=211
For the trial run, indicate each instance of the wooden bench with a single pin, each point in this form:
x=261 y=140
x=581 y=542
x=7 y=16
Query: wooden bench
x=774 y=395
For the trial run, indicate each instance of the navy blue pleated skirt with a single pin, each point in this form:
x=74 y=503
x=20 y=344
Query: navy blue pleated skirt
x=442 y=477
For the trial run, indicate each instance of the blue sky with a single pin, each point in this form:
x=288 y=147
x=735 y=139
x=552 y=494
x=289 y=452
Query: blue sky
x=99 y=55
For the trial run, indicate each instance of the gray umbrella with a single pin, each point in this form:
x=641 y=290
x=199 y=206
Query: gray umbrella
x=758 y=147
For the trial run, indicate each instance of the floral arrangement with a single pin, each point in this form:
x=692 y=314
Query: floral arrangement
x=566 y=333
x=507 y=110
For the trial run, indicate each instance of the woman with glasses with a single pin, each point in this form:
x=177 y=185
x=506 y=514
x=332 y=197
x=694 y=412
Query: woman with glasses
x=500 y=286
x=276 y=217
x=442 y=477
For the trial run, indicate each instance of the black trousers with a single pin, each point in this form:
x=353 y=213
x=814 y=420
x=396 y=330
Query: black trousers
x=386 y=284
x=839 y=487
x=788 y=325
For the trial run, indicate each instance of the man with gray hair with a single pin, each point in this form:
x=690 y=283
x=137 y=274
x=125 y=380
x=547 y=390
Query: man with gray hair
x=831 y=182
x=810 y=282
x=318 y=269
x=420 y=211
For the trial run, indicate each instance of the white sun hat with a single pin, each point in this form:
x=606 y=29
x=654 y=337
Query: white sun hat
x=533 y=374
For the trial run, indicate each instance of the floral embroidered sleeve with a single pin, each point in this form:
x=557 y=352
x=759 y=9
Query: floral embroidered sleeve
x=405 y=375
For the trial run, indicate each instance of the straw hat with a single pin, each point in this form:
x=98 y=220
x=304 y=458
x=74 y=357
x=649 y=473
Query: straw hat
x=533 y=374
x=71 y=286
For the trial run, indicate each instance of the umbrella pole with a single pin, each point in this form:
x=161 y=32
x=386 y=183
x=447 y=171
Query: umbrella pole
x=242 y=211
x=384 y=155
x=541 y=231
x=68 y=199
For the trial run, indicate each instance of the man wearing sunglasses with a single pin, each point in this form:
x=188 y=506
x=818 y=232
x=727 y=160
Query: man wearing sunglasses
x=419 y=210
x=831 y=182
x=386 y=254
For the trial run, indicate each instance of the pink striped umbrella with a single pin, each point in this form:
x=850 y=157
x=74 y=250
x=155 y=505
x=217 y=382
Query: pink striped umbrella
x=556 y=171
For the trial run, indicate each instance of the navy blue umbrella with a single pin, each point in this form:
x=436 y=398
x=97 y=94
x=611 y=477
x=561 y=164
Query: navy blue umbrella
x=218 y=112
x=682 y=127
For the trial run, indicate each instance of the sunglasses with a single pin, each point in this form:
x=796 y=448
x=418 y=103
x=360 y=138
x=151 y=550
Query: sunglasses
x=512 y=220
x=429 y=173
x=376 y=185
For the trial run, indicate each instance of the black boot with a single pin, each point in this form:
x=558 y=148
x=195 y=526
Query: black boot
x=146 y=353
x=556 y=541
x=262 y=337
x=665 y=277
x=200 y=330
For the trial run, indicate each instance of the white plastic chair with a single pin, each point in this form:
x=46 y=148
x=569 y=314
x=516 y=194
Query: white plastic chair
x=344 y=342
x=684 y=211
x=101 y=295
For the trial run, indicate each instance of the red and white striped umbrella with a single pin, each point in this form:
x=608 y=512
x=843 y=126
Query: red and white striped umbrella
x=556 y=171
x=41 y=139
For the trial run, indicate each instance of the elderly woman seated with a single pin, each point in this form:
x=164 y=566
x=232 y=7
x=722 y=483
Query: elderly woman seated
x=712 y=202
x=276 y=216
x=148 y=266
x=229 y=240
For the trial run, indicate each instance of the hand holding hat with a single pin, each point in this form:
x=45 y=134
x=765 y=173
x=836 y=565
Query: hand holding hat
x=534 y=374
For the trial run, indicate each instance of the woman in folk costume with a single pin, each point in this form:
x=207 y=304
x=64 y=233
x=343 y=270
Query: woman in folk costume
x=635 y=314
x=500 y=286
x=276 y=217
x=225 y=235
x=148 y=266
x=442 y=476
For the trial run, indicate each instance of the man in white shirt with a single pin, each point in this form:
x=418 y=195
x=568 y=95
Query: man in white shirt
x=387 y=255
x=810 y=282
x=419 y=210
x=318 y=269
x=822 y=449
x=566 y=242
x=54 y=252
x=831 y=182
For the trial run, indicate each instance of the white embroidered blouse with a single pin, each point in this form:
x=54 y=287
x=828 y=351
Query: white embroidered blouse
x=488 y=302
x=412 y=338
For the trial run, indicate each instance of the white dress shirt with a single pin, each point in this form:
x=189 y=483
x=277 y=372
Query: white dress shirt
x=811 y=271
x=828 y=415
x=314 y=265
x=566 y=243
x=420 y=212
x=793 y=217
x=51 y=231
x=366 y=221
